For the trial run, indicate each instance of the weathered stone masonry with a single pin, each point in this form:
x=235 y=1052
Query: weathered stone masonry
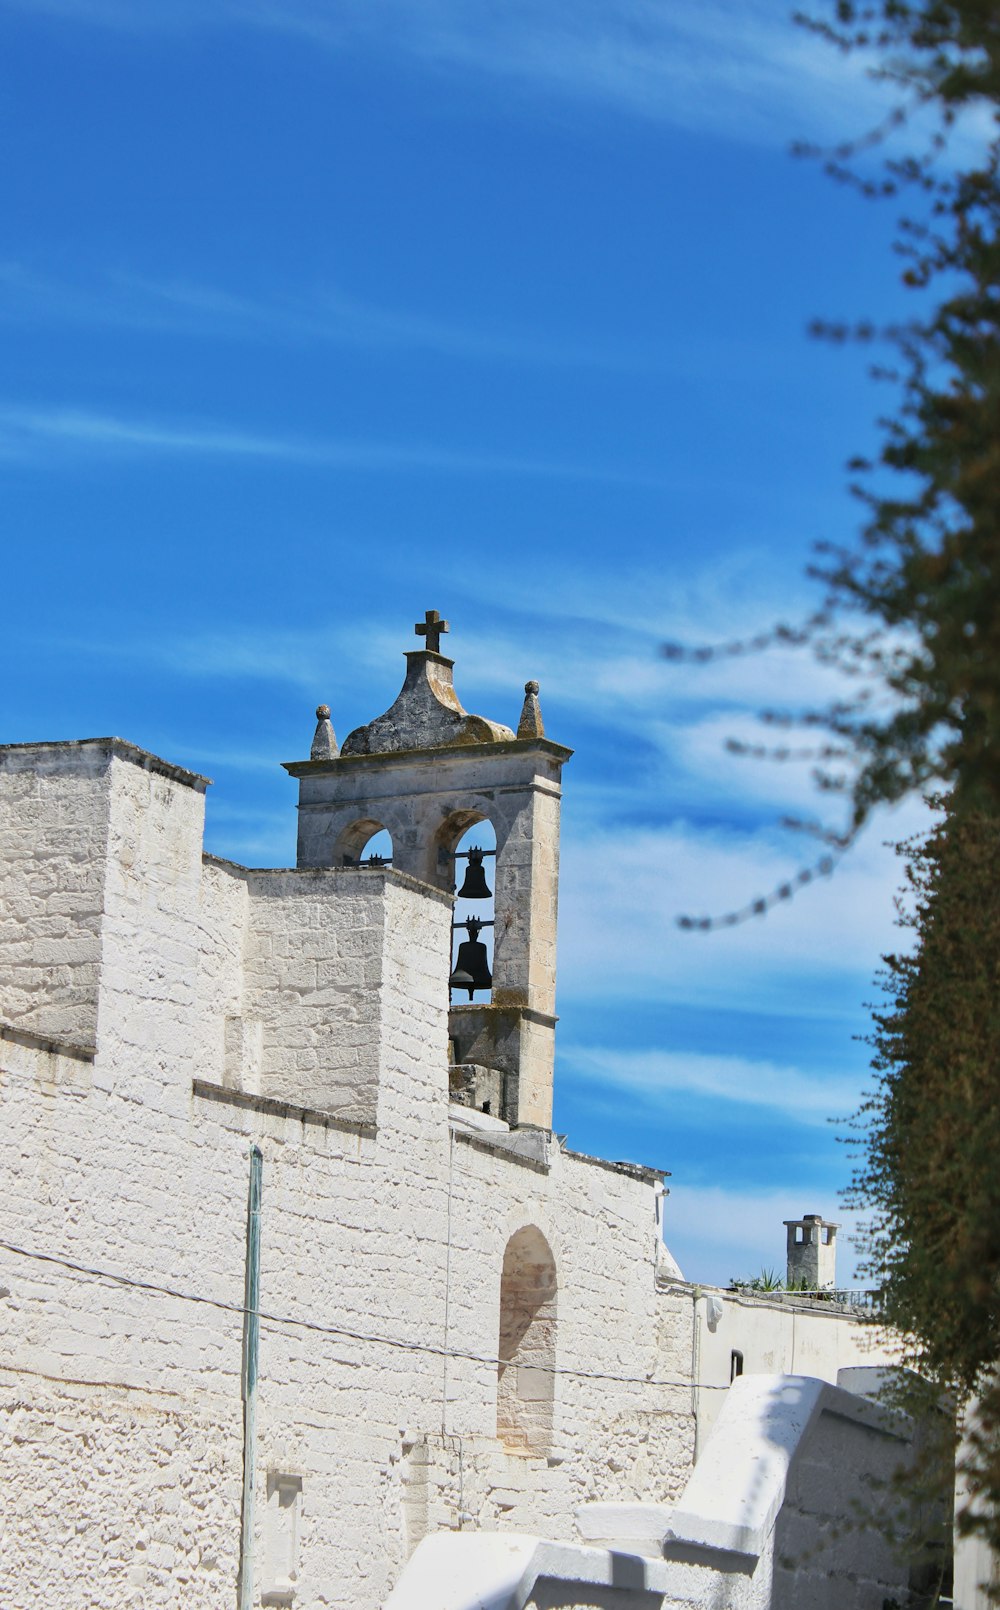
x=463 y=1324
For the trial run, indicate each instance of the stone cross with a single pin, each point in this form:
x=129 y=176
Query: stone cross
x=431 y=627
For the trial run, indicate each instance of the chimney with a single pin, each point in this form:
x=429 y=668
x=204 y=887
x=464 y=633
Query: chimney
x=812 y=1253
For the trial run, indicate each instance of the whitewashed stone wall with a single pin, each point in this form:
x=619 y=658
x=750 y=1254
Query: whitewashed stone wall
x=233 y=1009
x=798 y=1504
x=228 y=1044
x=55 y=804
x=306 y=1013
x=833 y=1526
x=123 y=1501
x=773 y=1334
x=313 y=980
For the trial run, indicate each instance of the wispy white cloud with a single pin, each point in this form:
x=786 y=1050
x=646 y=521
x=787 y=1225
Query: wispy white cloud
x=786 y=782
x=321 y=313
x=623 y=890
x=27 y=430
x=717 y=1231
x=698 y=850
x=82 y=428
x=685 y=830
x=220 y=755
x=330 y=314
x=648 y=1075
x=606 y=667
x=598 y=658
x=310 y=661
x=739 y=67
x=619 y=672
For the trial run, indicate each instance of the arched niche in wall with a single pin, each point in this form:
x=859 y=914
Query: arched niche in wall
x=365 y=842
x=527 y=1342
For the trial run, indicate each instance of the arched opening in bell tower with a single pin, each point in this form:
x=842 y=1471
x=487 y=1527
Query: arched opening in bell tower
x=365 y=843
x=474 y=884
x=468 y=857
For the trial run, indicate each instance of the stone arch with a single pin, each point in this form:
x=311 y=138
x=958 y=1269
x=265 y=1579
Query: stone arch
x=479 y=834
x=353 y=841
x=446 y=840
x=527 y=1342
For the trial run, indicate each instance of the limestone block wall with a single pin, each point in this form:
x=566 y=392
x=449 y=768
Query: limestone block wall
x=228 y=1042
x=151 y=937
x=53 y=839
x=115 y=1164
x=383 y=1236
x=117 y=1502
x=356 y=1239
x=842 y=1506
x=92 y=1172
x=801 y=1497
x=84 y=828
x=312 y=980
x=388 y=1245
x=793 y=1506
x=295 y=975
x=123 y=1402
x=770 y=1334
x=621 y=1406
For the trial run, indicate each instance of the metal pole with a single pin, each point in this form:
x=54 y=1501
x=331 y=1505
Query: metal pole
x=251 y=1346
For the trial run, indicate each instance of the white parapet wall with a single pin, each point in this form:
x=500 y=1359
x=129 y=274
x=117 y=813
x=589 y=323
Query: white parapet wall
x=789 y=1509
x=465 y=1326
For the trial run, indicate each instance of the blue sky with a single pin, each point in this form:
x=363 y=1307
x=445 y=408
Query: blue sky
x=316 y=314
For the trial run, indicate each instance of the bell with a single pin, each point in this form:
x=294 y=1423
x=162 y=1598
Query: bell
x=475 y=886
x=472 y=968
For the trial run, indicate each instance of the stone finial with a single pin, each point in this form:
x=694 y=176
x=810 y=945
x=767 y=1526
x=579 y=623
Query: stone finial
x=531 y=724
x=324 y=744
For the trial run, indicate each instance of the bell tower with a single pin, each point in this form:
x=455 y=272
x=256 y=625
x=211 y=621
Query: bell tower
x=425 y=772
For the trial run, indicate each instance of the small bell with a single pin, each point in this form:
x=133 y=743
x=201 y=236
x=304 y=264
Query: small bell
x=475 y=886
x=472 y=967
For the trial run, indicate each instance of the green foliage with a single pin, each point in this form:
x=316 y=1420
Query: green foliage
x=929 y=1172
x=911 y=615
x=767 y=1280
x=911 y=611
x=928 y=1178
x=925 y=577
x=770 y=1281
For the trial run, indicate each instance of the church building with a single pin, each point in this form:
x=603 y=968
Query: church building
x=294 y=1273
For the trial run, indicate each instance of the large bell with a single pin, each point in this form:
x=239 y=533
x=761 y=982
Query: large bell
x=472 y=967
x=475 y=886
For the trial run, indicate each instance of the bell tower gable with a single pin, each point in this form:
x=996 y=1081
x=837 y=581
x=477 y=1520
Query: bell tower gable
x=426 y=771
x=427 y=712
